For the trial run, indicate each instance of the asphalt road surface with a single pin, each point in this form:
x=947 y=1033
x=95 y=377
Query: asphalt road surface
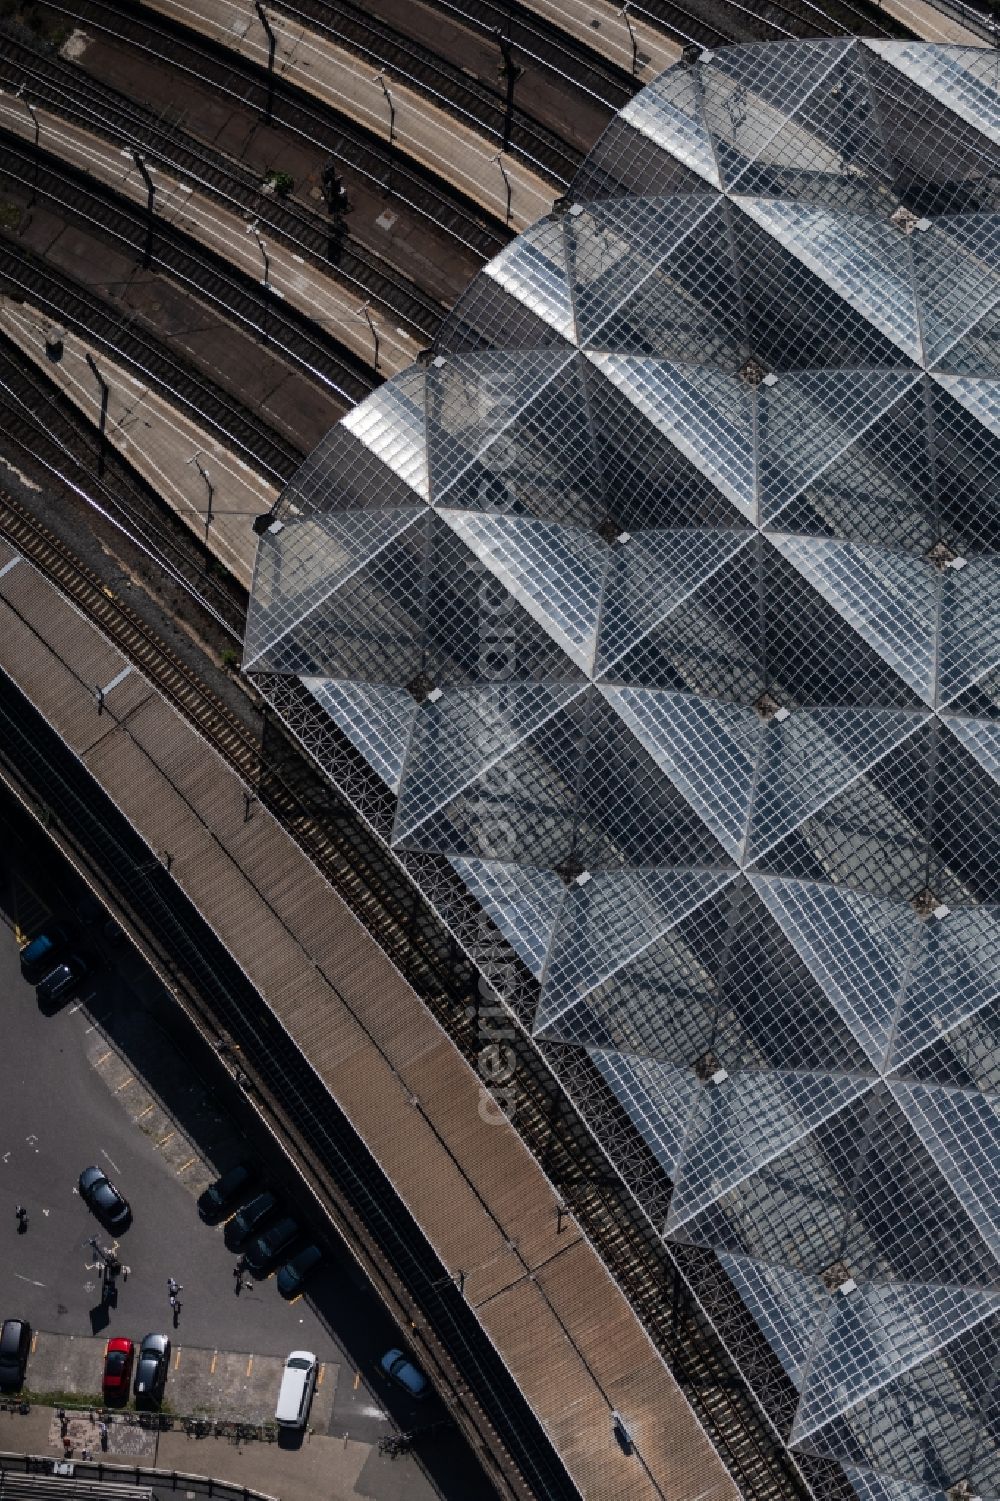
x=57 y=1115
x=115 y=1077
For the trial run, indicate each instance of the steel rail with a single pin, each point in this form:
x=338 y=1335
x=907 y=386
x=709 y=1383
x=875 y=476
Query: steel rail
x=549 y=47
x=244 y=83
x=201 y=271
x=75 y=95
x=125 y=627
x=54 y=435
x=453 y=91
x=23 y=428
x=810 y=20
x=178 y=381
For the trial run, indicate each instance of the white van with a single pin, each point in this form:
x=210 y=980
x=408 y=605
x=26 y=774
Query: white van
x=297 y=1382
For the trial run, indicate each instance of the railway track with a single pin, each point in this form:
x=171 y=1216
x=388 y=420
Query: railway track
x=244 y=84
x=357 y=867
x=55 y=438
x=466 y=98
x=240 y=297
x=51 y=82
x=183 y=385
x=537 y=40
x=760 y=20
x=130 y=633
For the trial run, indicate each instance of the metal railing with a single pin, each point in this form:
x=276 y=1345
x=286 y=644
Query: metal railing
x=16 y=1467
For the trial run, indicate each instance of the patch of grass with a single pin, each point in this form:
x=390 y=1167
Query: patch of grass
x=82 y=1401
x=230 y=657
x=10 y=215
x=281 y=182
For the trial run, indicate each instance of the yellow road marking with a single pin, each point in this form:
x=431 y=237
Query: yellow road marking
x=125 y=1084
x=34 y=1343
x=169 y=1137
x=215 y=1362
x=357 y=1379
x=249 y=1365
x=292 y=1301
x=186 y=1164
x=103 y=1058
x=320 y=1374
x=20 y=935
x=143 y=1113
x=177 y=1359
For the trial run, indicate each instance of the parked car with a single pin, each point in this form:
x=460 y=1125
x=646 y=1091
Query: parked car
x=266 y=1250
x=61 y=980
x=297 y=1382
x=294 y=1275
x=103 y=1199
x=118 y=1357
x=226 y=1191
x=399 y=1368
x=44 y=952
x=15 y=1343
x=253 y=1216
x=151 y=1368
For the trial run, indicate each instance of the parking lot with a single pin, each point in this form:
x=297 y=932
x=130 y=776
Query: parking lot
x=115 y=1078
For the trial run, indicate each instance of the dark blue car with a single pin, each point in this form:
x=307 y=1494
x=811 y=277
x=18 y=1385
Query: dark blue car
x=399 y=1368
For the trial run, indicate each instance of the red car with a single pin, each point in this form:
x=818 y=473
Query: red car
x=118 y=1358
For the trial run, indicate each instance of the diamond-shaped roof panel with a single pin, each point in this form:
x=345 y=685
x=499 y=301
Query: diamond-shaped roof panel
x=661 y=604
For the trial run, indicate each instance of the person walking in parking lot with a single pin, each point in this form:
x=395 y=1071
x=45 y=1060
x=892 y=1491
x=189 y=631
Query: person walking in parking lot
x=22 y=1218
x=173 y=1288
x=238 y=1274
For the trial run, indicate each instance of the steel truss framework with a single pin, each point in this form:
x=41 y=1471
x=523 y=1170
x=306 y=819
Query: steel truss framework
x=662 y=604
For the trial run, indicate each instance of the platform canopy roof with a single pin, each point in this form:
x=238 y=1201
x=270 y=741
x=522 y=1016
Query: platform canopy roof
x=664 y=598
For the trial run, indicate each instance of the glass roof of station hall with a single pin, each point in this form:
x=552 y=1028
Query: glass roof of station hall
x=664 y=599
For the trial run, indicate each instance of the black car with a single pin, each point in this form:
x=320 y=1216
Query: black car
x=294 y=1275
x=252 y=1216
x=61 y=980
x=103 y=1199
x=15 y=1342
x=43 y=953
x=151 y=1368
x=226 y=1191
x=266 y=1249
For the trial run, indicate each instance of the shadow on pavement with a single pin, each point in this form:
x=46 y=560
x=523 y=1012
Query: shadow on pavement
x=196 y=1090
